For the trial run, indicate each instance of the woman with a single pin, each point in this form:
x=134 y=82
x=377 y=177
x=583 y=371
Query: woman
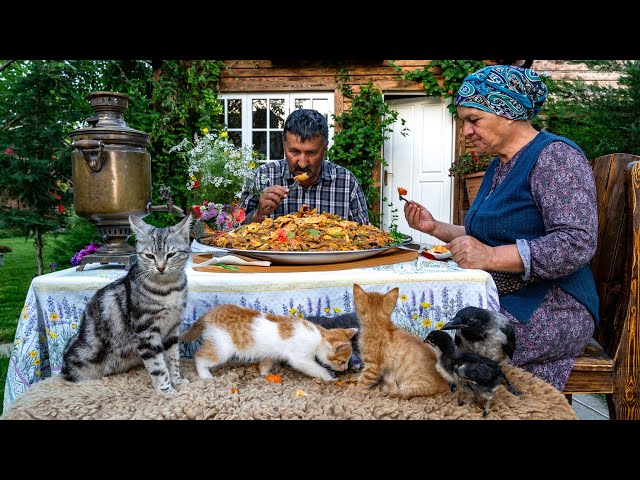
x=533 y=225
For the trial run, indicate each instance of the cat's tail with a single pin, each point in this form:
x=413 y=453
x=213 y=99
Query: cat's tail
x=192 y=333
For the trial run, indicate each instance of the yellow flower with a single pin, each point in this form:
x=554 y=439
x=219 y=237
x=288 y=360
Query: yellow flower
x=426 y=322
x=292 y=311
x=414 y=316
x=25 y=316
x=205 y=130
x=38 y=373
x=36 y=362
x=33 y=353
x=18 y=341
x=337 y=310
x=425 y=305
x=53 y=317
x=439 y=325
x=327 y=309
x=252 y=165
x=46 y=330
x=193 y=177
x=224 y=134
x=24 y=309
x=300 y=315
x=403 y=297
x=55 y=335
x=74 y=325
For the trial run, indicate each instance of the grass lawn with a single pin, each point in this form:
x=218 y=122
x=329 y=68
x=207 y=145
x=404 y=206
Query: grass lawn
x=4 y=366
x=20 y=266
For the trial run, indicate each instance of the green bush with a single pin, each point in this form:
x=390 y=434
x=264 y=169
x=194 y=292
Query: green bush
x=78 y=234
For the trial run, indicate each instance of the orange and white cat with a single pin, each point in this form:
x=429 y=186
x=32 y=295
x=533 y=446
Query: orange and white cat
x=230 y=331
x=399 y=359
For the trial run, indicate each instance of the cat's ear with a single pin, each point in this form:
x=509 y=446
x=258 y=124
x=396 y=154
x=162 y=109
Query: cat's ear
x=358 y=291
x=351 y=332
x=138 y=226
x=390 y=299
x=342 y=347
x=183 y=226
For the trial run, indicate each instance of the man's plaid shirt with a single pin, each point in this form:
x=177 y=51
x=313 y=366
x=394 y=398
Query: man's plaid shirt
x=337 y=191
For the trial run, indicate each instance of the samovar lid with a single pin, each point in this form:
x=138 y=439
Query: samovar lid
x=108 y=122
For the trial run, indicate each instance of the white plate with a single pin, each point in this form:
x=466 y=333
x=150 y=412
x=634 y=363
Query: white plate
x=312 y=258
x=439 y=256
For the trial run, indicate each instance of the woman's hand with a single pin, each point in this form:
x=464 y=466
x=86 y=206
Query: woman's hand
x=469 y=252
x=419 y=217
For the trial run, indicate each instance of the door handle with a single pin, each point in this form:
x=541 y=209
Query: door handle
x=386 y=177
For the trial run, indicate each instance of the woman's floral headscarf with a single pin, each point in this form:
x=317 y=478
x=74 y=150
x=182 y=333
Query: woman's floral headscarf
x=513 y=92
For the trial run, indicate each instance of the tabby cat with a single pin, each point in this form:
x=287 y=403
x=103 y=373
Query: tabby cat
x=135 y=320
x=405 y=365
x=244 y=334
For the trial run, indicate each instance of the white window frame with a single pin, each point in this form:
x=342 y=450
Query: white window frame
x=289 y=100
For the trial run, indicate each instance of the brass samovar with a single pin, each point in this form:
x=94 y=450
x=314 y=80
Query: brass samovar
x=111 y=171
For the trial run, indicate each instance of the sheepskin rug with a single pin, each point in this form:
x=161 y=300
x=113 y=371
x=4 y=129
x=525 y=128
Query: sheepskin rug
x=240 y=392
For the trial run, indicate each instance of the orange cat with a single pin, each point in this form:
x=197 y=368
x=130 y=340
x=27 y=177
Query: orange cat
x=397 y=357
x=250 y=335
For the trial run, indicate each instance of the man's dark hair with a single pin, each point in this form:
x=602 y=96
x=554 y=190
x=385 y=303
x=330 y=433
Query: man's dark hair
x=306 y=124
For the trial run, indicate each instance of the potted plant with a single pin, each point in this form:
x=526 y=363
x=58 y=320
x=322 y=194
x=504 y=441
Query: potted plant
x=470 y=166
x=3 y=249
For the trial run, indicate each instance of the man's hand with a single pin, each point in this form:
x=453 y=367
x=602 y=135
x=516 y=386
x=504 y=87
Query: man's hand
x=268 y=201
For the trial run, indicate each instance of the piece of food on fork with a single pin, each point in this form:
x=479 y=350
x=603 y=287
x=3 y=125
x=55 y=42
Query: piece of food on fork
x=302 y=177
x=401 y=192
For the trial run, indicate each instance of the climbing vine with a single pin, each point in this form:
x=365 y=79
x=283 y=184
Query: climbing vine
x=441 y=78
x=358 y=145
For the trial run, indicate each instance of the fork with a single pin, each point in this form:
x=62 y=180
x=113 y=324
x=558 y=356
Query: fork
x=402 y=198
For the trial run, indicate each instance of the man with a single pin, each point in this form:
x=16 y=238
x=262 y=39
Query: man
x=305 y=176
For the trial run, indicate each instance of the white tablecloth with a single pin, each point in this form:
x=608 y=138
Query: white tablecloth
x=431 y=292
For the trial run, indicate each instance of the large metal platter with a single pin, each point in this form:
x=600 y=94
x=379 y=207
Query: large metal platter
x=313 y=258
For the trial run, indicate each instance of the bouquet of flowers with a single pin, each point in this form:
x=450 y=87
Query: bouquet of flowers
x=218 y=170
x=218 y=216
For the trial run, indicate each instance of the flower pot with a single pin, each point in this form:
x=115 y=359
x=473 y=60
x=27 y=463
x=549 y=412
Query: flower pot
x=472 y=183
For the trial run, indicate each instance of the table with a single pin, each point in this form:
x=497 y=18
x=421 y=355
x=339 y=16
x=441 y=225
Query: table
x=431 y=292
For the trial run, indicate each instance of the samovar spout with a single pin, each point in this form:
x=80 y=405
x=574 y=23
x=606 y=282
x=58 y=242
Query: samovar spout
x=169 y=206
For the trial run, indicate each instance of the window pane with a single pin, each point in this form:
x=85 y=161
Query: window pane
x=260 y=142
x=259 y=113
x=235 y=114
x=276 y=150
x=236 y=138
x=303 y=103
x=321 y=105
x=276 y=119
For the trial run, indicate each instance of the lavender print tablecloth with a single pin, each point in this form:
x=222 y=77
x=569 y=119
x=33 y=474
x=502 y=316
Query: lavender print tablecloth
x=430 y=293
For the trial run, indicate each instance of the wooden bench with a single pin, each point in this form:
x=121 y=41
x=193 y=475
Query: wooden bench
x=610 y=364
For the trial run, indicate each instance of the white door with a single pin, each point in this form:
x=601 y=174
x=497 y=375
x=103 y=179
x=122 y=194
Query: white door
x=419 y=162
